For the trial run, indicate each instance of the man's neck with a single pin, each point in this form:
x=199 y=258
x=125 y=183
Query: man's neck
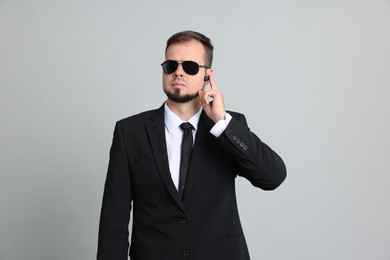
x=184 y=110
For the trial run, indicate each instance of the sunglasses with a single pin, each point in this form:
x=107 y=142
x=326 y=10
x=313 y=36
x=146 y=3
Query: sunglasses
x=189 y=67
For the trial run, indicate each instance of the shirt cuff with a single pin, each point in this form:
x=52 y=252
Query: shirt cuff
x=221 y=125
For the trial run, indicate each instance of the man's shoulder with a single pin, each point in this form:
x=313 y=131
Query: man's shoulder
x=137 y=122
x=142 y=116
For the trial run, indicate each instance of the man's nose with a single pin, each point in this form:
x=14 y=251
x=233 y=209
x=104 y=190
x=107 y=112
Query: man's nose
x=179 y=71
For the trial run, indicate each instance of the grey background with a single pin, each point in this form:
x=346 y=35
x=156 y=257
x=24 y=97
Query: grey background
x=312 y=78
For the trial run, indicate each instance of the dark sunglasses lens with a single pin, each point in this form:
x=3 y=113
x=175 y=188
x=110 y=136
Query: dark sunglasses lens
x=169 y=66
x=191 y=67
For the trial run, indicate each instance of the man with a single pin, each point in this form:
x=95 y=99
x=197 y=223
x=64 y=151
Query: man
x=190 y=211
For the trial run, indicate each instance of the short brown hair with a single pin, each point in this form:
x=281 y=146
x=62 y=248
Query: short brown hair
x=187 y=36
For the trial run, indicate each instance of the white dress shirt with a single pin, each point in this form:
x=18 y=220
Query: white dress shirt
x=174 y=136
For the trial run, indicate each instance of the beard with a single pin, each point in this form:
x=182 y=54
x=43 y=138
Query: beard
x=176 y=97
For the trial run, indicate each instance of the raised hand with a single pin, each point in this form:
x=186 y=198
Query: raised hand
x=212 y=102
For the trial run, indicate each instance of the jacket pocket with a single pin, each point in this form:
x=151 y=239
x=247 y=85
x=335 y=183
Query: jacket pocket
x=232 y=247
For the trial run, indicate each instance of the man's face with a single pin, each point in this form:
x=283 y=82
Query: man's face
x=179 y=86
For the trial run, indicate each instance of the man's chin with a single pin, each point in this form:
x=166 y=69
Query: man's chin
x=177 y=98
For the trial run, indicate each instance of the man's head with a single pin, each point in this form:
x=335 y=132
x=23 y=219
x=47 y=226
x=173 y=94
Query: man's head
x=188 y=59
x=186 y=36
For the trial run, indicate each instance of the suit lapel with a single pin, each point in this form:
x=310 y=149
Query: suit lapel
x=156 y=132
x=203 y=140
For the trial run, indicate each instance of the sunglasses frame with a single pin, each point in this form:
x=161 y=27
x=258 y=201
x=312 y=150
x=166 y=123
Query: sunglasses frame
x=183 y=64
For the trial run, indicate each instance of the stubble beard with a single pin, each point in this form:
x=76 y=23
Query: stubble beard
x=175 y=96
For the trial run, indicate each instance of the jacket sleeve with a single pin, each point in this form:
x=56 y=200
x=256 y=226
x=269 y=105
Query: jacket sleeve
x=113 y=238
x=257 y=162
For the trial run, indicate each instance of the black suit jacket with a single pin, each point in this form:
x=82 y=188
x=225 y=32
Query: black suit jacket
x=206 y=224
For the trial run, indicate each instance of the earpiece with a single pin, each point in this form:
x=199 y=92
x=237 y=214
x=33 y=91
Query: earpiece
x=206 y=78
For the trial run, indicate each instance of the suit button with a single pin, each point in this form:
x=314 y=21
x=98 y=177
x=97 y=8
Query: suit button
x=234 y=138
x=238 y=141
x=245 y=147
x=186 y=252
x=183 y=221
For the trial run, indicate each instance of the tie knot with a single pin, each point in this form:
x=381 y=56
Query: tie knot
x=186 y=126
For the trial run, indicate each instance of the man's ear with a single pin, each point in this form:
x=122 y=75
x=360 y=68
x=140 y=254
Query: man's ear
x=206 y=79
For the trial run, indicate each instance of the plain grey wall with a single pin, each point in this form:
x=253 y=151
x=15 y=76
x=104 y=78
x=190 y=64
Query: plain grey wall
x=311 y=76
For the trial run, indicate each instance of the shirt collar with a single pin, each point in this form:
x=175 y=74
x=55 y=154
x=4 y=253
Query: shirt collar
x=173 y=122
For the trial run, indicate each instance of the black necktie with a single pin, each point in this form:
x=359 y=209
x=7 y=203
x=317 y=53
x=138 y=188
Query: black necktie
x=186 y=149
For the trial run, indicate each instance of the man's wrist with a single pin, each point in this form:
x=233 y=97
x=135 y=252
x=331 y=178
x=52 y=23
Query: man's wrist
x=221 y=125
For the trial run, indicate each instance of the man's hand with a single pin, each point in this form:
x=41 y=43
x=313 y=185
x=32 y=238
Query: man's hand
x=212 y=102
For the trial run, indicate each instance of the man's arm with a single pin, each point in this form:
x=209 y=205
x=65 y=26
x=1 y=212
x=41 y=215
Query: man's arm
x=115 y=213
x=257 y=162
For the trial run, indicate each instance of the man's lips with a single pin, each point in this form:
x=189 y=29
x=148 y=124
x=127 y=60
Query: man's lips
x=178 y=84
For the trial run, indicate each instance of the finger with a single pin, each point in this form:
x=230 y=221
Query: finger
x=212 y=83
x=203 y=97
x=209 y=95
